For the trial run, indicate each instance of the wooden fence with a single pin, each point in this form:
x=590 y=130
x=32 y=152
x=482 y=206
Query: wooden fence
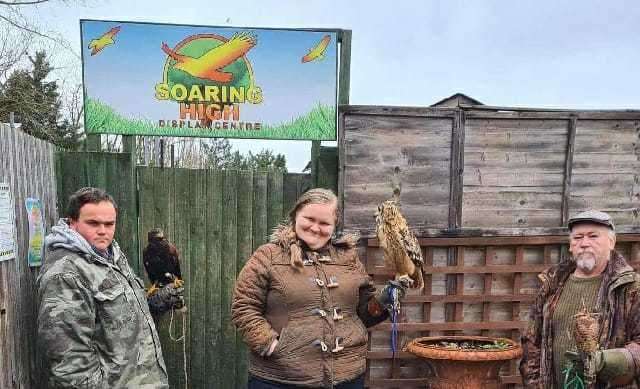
x=496 y=284
x=110 y=171
x=27 y=165
x=216 y=219
x=484 y=168
x=488 y=190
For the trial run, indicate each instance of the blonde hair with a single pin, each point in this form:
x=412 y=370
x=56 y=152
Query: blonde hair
x=314 y=196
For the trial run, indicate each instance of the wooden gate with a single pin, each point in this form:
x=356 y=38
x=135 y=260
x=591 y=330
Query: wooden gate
x=216 y=219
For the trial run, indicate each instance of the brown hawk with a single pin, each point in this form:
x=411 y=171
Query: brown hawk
x=401 y=250
x=161 y=261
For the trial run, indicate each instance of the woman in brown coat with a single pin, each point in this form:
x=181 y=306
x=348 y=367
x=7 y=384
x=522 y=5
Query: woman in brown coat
x=303 y=301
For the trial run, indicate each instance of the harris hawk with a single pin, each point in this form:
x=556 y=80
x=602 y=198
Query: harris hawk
x=161 y=261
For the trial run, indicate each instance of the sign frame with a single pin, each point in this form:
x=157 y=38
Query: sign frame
x=341 y=85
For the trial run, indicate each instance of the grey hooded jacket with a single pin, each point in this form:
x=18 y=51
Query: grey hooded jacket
x=94 y=326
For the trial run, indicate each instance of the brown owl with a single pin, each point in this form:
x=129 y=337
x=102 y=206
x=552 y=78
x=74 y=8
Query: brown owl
x=401 y=249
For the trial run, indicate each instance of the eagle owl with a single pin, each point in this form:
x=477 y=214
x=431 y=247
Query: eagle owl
x=401 y=249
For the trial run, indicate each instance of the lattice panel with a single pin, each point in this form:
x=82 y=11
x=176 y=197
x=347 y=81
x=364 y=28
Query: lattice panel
x=486 y=290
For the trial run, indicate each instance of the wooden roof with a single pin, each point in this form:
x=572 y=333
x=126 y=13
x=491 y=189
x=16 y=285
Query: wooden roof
x=456 y=100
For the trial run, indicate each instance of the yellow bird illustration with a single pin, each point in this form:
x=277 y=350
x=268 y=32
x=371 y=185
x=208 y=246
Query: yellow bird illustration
x=208 y=66
x=318 y=51
x=97 y=45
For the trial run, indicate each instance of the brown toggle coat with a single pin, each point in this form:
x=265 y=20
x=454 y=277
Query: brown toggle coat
x=277 y=298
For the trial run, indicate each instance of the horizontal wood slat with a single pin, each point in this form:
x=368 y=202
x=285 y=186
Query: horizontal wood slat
x=471 y=299
x=451 y=326
x=495 y=269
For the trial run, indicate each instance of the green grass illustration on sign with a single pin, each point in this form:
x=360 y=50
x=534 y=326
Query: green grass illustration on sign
x=317 y=125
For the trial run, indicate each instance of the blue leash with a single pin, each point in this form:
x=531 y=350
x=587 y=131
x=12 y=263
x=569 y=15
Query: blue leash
x=395 y=311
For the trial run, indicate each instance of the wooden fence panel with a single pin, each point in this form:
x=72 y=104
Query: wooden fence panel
x=214 y=308
x=27 y=165
x=229 y=267
x=513 y=161
x=245 y=248
x=509 y=168
x=113 y=172
x=606 y=169
x=496 y=285
x=216 y=219
x=197 y=213
x=414 y=148
x=159 y=210
x=294 y=185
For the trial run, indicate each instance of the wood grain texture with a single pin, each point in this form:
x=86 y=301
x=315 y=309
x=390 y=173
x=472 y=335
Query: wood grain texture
x=419 y=148
x=216 y=219
x=27 y=164
x=513 y=176
x=606 y=169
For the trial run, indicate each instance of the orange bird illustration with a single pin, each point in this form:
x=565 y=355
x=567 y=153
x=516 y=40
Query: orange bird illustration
x=208 y=66
x=318 y=50
x=97 y=45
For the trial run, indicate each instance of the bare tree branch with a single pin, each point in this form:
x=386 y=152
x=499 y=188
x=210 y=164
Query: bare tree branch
x=13 y=48
x=32 y=30
x=18 y=2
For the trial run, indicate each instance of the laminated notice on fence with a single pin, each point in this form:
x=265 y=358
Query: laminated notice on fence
x=36 y=231
x=7 y=224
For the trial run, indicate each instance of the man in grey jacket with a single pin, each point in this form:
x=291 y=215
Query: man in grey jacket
x=95 y=329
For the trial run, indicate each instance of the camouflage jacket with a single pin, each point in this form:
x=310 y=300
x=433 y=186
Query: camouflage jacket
x=619 y=303
x=318 y=312
x=94 y=326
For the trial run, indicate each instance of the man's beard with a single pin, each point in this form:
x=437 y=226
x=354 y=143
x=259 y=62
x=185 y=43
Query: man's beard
x=586 y=262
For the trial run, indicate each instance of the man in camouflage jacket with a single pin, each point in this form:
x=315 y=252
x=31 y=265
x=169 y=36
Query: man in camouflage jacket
x=95 y=329
x=617 y=301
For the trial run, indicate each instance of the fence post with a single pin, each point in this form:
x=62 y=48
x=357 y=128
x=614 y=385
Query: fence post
x=93 y=143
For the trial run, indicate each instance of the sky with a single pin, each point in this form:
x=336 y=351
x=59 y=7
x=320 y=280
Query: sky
x=544 y=54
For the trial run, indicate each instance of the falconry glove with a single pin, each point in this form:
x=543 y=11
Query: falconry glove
x=166 y=298
x=385 y=295
x=610 y=364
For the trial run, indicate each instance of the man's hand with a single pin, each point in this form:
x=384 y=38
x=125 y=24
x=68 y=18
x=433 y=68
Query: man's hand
x=166 y=298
